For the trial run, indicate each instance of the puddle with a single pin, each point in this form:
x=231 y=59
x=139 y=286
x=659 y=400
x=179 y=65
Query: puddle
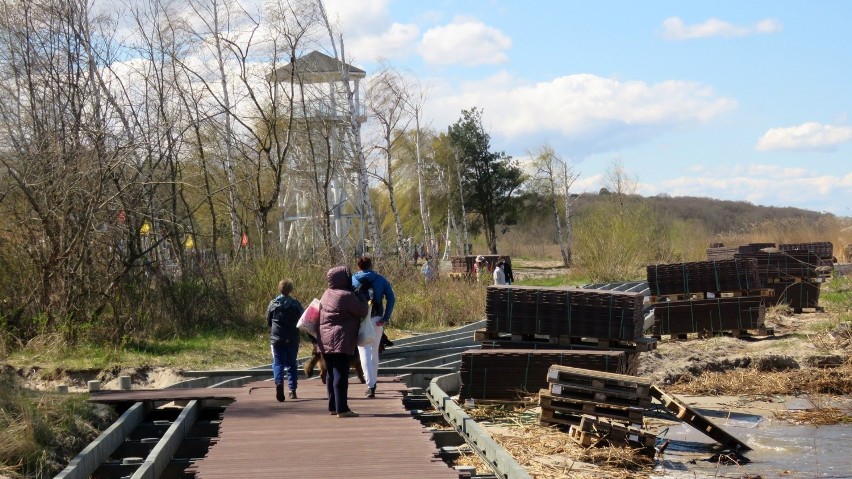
x=779 y=450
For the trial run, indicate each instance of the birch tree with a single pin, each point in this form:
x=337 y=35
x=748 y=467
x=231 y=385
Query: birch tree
x=553 y=179
x=385 y=101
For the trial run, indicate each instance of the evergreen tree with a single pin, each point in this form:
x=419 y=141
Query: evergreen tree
x=489 y=179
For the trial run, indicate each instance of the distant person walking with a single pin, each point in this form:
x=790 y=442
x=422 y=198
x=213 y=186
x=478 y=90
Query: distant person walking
x=282 y=314
x=507 y=270
x=427 y=271
x=341 y=310
x=479 y=268
x=382 y=307
x=499 y=275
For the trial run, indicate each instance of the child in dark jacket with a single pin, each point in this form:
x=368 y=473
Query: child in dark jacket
x=282 y=314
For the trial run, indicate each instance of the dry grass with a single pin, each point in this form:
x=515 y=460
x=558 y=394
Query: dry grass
x=546 y=452
x=753 y=382
x=819 y=416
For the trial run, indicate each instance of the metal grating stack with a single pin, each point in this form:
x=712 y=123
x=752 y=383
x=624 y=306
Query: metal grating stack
x=823 y=249
x=630 y=352
x=739 y=275
x=794 y=275
x=783 y=266
x=570 y=312
x=504 y=374
x=709 y=315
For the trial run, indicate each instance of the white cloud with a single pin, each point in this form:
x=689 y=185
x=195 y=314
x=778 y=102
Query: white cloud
x=465 y=42
x=810 y=136
x=360 y=16
x=593 y=113
x=675 y=29
x=395 y=42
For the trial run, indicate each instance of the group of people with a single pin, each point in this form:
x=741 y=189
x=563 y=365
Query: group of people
x=502 y=273
x=348 y=299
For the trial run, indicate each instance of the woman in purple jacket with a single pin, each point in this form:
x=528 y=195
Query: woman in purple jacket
x=341 y=311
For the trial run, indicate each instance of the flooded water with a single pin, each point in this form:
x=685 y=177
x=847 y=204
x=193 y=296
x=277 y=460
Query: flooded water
x=779 y=450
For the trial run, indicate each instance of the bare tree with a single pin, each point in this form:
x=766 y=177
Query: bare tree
x=554 y=179
x=385 y=101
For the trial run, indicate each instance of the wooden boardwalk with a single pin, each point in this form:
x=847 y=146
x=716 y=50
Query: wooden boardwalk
x=262 y=438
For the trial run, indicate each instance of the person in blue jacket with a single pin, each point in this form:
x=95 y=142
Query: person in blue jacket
x=382 y=307
x=282 y=314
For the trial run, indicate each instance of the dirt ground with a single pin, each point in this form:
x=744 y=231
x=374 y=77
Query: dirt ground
x=78 y=381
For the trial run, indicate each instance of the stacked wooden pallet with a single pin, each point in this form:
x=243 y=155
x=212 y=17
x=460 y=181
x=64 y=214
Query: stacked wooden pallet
x=597 y=406
x=568 y=312
x=507 y=374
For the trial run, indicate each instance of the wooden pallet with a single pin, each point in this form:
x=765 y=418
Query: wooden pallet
x=552 y=416
x=642 y=344
x=571 y=406
x=692 y=417
x=662 y=298
x=617 y=398
x=816 y=309
x=763 y=292
x=737 y=333
x=626 y=386
x=795 y=279
x=594 y=431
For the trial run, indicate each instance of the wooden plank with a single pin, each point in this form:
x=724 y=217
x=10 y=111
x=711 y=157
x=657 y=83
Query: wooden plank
x=598 y=379
x=692 y=417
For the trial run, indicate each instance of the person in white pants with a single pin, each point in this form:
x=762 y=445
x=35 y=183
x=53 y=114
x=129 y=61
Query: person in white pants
x=383 y=301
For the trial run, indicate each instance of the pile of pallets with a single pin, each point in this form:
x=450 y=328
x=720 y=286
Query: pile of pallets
x=600 y=408
x=793 y=275
x=509 y=374
x=529 y=329
x=708 y=297
x=564 y=312
x=704 y=276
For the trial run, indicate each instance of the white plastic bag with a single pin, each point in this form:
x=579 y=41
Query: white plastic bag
x=367 y=331
x=309 y=321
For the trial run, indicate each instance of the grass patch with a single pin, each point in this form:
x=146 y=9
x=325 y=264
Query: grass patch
x=205 y=350
x=765 y=383
x=41 y=432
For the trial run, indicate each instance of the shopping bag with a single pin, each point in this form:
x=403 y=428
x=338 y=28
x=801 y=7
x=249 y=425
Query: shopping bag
x=367 y=331
x=309 y=321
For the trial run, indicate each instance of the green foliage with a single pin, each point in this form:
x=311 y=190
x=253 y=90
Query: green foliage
x=611 y=241
x=489 y=178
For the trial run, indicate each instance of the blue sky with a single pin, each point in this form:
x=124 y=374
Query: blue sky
x=724 y=99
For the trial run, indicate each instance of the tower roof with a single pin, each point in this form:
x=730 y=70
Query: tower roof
x=316 y=67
